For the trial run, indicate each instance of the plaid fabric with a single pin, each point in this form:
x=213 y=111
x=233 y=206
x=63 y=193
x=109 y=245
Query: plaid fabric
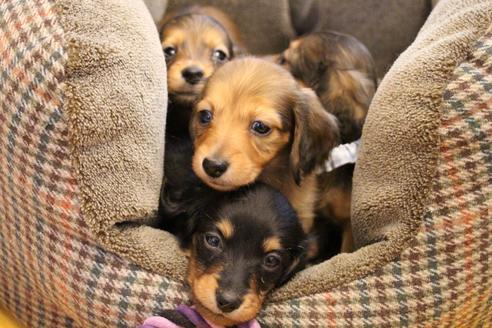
x=54 y=274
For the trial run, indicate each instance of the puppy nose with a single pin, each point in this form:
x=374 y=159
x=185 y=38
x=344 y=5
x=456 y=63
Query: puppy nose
x=228 y=301
x=214 y=168
x=192 y=74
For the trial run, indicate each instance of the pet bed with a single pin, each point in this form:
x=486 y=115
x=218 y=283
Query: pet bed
x=83 y=97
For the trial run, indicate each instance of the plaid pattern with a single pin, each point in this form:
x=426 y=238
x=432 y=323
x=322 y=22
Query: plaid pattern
x=53 y=274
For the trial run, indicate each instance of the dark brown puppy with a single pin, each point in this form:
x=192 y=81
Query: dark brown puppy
x=253 y=122
x=341 y=71
x=245 y=245
x=196 y=41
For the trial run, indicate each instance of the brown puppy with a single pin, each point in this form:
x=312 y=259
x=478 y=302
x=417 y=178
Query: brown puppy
x=254 y=122
x=341 y=71
x=196 y=41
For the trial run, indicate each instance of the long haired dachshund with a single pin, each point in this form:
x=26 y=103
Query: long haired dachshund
x=196 y=40
x=341 y=71
x=254 y=122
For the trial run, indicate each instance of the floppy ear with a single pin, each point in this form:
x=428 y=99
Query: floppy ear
x=298 y=263
x=316 y=133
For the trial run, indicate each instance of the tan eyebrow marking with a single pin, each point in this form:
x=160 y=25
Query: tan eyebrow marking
x=225 y=227
x=271 y=244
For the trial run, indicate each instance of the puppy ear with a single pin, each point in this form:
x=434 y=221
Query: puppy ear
x=298 y=263
x=315 y=134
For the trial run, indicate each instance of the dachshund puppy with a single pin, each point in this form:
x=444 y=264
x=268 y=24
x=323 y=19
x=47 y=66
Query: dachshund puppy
x=254 y=123
x=250 y=244
x=195 y=40
x=240 y=244
x=340 y=70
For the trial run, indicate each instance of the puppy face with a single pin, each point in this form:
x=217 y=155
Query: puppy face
x=251 y=112
x=194 y=46
x=252 y=244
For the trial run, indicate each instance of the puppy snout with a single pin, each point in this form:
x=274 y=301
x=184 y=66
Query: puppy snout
x=214 y=168
x=228 y=300
x=192 y=74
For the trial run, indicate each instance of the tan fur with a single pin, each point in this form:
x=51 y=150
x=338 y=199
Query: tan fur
x=341 y=71
x=204 y=287
x=271 y=244
x=228 y=24
x=226 y=228
x=336 y=203
x=339 y=68
x=352 y=89
x=195 y=37
x=235 y=102
x=251 y=89
x=303 y=198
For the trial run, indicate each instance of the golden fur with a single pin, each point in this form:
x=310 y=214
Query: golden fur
x=226 y=228
x=195 y=33
x=271 y=244
x=204 y=286
x=301 y=135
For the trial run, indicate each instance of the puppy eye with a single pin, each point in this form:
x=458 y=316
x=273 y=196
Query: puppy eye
x=212 y=240
x=169 y=52
x=219 y=55
x=260 y=128
x=205 y=116
x=271 y=261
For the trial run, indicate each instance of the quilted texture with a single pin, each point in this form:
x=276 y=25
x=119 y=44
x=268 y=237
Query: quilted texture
x=55 y=274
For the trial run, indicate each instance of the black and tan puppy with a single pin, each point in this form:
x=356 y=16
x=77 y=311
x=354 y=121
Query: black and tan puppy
x=255 y=123
x=241 y=244
x=196 y=41
x=251 y=244
x=340 y=70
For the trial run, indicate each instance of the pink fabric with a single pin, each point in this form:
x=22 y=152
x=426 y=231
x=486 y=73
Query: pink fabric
x=194 y=317
x=158 y=322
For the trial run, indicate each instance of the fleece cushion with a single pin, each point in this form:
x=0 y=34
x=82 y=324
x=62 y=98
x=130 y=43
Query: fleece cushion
x=81 y=147
x=387 y=31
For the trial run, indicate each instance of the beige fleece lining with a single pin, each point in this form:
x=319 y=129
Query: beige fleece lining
x=116 y=104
